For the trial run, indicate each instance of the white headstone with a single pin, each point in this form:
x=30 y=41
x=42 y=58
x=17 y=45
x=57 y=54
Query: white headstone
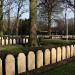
x=58 y=54
x=6 y=41
x=31 y=61
x=0 y=67
x=68 y=51
x=2 y=42
x=24 y=41
x=72 y=50
x=53 y=55
x=14 y=41
x=21 y=63
x=10 y=65
x=63 y=52
x=10 y=41
x=0 y=38
x=47 y=56
x=39 y=58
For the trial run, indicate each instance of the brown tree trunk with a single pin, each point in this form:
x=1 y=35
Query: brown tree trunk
x=74 y=18
x=49 y=23
x=17 y=25
x=33 y=25
x=17 y=19
x=1 y=16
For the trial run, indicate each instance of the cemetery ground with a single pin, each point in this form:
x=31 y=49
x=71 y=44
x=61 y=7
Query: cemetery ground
x=57 y=42
x=43 y=43
x=62 y=70
x=67 y=69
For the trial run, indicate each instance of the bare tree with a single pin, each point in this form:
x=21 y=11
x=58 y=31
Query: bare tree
x=33 y=25
x=19 y=5
x=49 y=8
x=1 y=16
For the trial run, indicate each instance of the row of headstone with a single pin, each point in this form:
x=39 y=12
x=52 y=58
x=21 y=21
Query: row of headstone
x=13 y=41
x=43 y=58
x=56 y=36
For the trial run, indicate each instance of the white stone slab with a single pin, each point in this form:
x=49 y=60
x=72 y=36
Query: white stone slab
x=0 y=67
x=21 y=63
x=31 y=61
x=53 y=55
x=10 y=65
x=63 y=52
x=39 y=59
x=72 y=50
x=68 y=51
x=47 y=56
x=58 y=54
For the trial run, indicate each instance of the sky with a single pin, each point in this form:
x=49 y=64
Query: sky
x=69 y=12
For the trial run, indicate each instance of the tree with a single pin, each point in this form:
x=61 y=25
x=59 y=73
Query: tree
x=24 y=27
x=9 y=7
x=49 y=8
x=20 y=11
x=1 y=16
x=71 y=3
x=33 y=23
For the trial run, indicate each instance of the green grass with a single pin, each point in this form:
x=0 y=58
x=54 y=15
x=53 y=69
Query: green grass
x=68 y=38
x=14 y=48
x=57 y=42
x=68 y=69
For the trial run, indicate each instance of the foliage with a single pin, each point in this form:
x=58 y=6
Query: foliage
x=24 y=27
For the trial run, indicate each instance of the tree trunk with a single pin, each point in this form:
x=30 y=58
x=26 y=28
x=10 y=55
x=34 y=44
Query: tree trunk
x=1 y=16
x=8 y=16
x=18 y=15
x=49 y=16
x=33 y=25
x=74 y=18
x=49 y=22
x=17 y=25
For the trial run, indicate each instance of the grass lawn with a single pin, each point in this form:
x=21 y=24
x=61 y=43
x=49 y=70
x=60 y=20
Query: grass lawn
x=46 y=42
x=57 y=42
x=68 y=69
x=14 y=48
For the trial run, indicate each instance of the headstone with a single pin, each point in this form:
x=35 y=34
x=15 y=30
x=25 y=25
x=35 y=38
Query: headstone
x=31 y=61
x=58 y=54
x=6 y=41
x=23 y=40
x=39 y=59
x=26 y=40
x=14 y=41
x=10 y=65
x=68 y=51
x=72 y=50
x=53 y=55
x=63 y=52
x=21 y=63
x=10 y=41
x=2 y=42
x=47 y=56
x=0 y=67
